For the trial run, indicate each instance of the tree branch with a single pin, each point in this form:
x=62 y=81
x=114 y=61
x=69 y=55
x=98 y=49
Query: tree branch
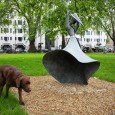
x=112 y=22
x=107 y=31
x=21 y=11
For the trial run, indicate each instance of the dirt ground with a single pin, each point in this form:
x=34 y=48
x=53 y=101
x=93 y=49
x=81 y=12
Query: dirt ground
x=49 y=97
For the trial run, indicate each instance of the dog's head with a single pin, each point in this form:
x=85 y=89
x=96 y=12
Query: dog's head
x=24 y=83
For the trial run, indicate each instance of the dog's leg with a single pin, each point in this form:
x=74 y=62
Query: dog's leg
x=2 y=83
x=20 y=96
x=1 y=88
x=7 y=89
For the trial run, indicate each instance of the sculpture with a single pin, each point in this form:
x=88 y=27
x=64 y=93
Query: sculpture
x=70 y=65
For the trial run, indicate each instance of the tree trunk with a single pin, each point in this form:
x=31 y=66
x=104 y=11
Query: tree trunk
x=47 y=43
x=32 y=47
x=63 y=41
x=114 y=46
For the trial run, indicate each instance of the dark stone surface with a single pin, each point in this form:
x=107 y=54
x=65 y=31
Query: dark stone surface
x=67 y=69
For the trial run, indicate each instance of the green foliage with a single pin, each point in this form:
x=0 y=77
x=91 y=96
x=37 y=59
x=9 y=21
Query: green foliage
x=33 y=12
x=107 y=40
x=50 y=15
x=54 y=20
x=5 y=10
x=98 y=14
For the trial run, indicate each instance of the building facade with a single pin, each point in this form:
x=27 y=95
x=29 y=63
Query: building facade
x=93 y=38
x=15 y=36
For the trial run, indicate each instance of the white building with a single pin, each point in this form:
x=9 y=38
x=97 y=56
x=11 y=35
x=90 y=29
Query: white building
x=14 y=36
x=93 y=38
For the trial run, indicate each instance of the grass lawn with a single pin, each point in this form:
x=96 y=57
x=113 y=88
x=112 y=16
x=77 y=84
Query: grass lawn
x=10 y=105
x=31 y=65
x=107 y=66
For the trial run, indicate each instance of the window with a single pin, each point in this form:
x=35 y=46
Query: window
x=1 y=30
x=24 y=38
x=6 y=38
x=10 y=30
x=20 y=38
x=6 y=30
x=19 y=22
x=1 y=38
x=98 y=40
x=98 y=33
x=88 y=39
x=48 y=43
x=88 y=33
x=52 y=43
x=15 y=38
x=15 y=22
x=10 y=38
x=19 y=30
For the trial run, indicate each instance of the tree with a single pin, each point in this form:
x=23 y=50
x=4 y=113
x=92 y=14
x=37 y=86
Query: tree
x=50 y=16
x=106 y=17
x=32 y=11
x=54 y=22
x=5 y=10
x=99 y=15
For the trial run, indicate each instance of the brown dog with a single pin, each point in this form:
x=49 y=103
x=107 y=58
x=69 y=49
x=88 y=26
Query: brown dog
x=13 y=77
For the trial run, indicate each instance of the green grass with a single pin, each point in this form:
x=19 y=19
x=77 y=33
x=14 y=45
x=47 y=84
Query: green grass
x=31 y=65
x=11 y=106
x=107 y=66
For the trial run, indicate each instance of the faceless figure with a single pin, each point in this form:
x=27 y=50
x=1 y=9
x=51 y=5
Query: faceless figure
x=73 y=24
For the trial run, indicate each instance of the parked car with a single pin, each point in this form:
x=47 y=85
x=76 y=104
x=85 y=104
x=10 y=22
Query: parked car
x=7 y=50
x=19 y=50
x=110 y=49
x=85 y=49
x=103 y=49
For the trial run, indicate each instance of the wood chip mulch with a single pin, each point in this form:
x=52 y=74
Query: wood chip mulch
x=49 y=97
